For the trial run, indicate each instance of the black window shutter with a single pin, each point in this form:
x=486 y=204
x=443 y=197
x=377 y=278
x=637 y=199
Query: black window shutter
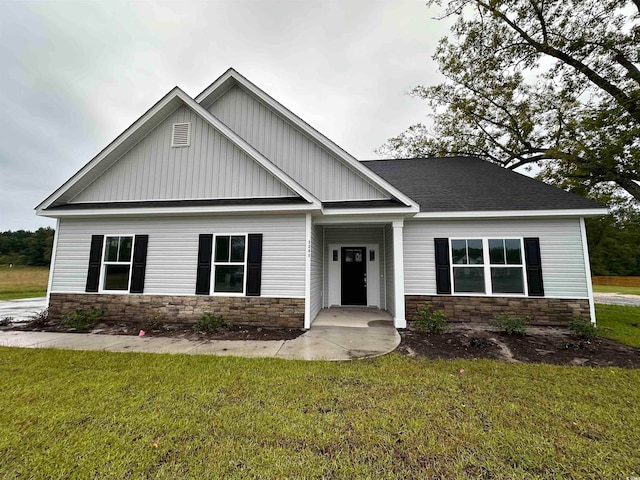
x=254 y=264
x=139 y=263
x=203 y=280
x=534 y=267
x=443 y=274
x=95 y=261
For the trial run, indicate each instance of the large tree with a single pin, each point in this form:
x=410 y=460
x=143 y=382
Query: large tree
x=554 y=84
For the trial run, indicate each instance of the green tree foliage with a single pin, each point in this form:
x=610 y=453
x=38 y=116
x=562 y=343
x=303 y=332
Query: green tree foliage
x=554 y=84
x=614 y=242
x=27 y=248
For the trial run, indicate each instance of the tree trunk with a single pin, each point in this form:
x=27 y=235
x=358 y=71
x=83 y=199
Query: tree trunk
x=631 y=187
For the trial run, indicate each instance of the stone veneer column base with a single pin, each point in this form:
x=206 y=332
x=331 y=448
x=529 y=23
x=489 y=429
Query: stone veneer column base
x=256 y=311
x=542 y=311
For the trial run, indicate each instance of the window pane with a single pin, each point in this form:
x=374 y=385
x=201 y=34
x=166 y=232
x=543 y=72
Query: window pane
x=222 y=249
x=496 y=251
x=514 y=256
x=237 y=249
x=507 y=280
x=459 y=251
x=475 y=252
x=229 y=278
x=116 y=277
x=111 y=249
x=468 y=279
x=125 y=249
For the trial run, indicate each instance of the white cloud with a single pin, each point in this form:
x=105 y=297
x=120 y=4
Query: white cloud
x=76 y=74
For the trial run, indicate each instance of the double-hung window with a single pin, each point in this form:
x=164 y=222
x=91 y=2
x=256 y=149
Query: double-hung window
x=467 y=260
x=229 y=264
x=117 y=263
x=507 y=270
x=487 y=266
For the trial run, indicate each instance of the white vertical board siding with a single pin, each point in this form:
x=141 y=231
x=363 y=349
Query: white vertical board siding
x=352 y=235
x=316 y=270
x=212 y=167
x=563 y=269
x=173 y=250
x=388 y=265
x=317 y=170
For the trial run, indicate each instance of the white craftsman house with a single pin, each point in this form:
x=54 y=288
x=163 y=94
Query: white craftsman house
x=230 y=203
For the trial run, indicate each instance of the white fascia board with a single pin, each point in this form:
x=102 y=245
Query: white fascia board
x=370 y=211
x=194 y=210
x=152 y=112
x=309 y=130
x=357 y=219
x=592 y=212
x=242 y=144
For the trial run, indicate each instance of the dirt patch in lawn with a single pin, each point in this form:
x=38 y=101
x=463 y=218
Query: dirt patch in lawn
x=540 y=345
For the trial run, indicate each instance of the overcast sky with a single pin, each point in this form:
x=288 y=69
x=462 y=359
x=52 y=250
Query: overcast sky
x=75 y=74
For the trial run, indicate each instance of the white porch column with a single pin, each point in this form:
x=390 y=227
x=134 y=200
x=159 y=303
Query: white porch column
x=587 y=270
x=398 y=273
x=307 y=274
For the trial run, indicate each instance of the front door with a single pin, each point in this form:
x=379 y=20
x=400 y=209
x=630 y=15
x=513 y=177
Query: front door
x=354 y=276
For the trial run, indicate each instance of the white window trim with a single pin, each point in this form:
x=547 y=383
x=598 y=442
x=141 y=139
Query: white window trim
x=104 y=263
x=214 y=264
x=486 y=266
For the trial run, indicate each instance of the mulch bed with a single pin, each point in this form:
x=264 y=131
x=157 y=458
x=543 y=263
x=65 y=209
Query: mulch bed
x=553 y=346
x=234 y=332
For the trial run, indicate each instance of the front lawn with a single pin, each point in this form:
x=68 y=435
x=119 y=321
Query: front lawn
x=70 y=414
x=619 y=323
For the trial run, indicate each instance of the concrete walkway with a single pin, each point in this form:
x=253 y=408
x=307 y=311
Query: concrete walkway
x=321 y=342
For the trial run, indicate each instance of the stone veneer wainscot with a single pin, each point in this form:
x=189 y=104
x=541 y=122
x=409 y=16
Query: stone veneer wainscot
x=542 y=311
x=258 y=311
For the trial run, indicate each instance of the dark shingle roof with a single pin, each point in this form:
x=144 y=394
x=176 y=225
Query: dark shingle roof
x=471 y=184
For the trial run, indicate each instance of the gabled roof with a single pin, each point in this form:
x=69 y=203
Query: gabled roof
x=232 y=78
x=470 y=184
x=145 y=124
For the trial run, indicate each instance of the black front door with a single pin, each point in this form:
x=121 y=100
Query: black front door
x=354 y=276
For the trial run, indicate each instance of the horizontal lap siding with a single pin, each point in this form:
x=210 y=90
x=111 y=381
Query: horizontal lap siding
x=316 y=270
x=560 y=248
x=301 y=157
x=211 y=167
x=173 y=250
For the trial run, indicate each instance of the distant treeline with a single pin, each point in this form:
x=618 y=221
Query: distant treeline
x=26 y=248
x=614 y=245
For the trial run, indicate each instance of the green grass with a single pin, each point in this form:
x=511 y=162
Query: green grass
x=72 y=415
x=619 y=323
x=23 y=282
x=616 y=289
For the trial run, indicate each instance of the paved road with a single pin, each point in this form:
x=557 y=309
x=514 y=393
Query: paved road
x=617 y=299
x=22 y=309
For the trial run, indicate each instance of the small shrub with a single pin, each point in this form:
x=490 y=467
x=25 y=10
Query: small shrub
x=81 y=319
x=509 y=324
x=6 y=321
x=154 y=324
x=210 y=322
x=39 y=320
x=582 y=327
x=432 y=322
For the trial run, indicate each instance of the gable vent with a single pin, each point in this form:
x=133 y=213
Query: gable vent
x=181 y=135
